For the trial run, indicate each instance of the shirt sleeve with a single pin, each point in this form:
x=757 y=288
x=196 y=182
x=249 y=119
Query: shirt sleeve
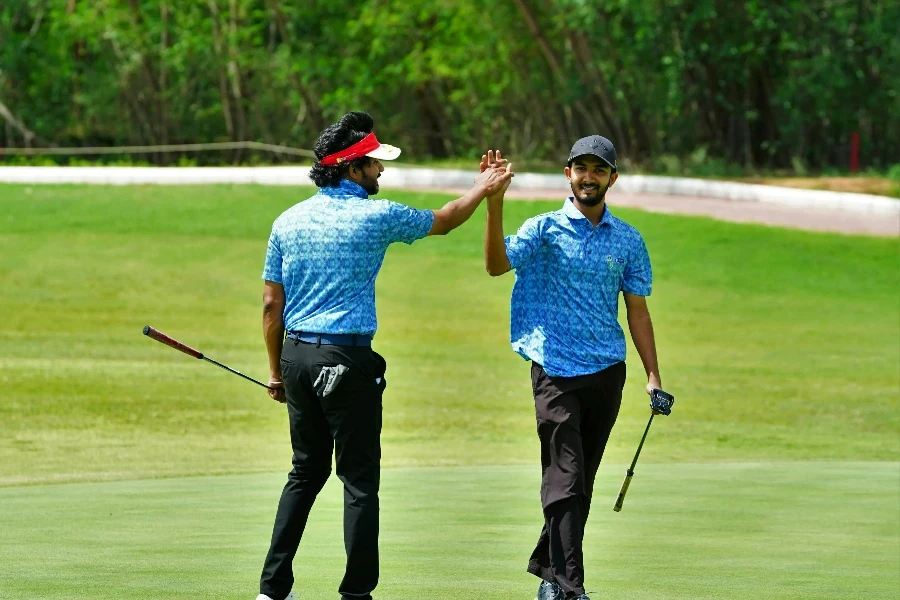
x=405 y=223
x=522 y=247
x=638 y=279
x=272 y=268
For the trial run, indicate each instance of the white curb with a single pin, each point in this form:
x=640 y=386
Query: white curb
x=451 y=178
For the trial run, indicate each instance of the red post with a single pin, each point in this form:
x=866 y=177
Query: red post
x=854 y=152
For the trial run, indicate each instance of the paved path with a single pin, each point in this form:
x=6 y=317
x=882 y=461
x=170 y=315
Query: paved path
x=731 y=210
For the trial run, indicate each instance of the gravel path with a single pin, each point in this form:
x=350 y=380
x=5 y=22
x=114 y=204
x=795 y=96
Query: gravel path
x=729 y=210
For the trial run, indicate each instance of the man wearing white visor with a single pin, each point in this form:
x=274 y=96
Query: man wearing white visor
x=318 y=322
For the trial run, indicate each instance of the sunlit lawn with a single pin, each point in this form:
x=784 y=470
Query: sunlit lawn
x=775 y=476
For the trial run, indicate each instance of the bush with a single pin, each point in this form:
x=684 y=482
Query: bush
x=894 y=173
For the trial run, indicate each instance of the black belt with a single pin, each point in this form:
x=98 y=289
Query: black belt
x=331 y=339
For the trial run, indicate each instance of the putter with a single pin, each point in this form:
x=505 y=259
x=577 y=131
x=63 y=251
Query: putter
x=172 y=343
x=660 y=402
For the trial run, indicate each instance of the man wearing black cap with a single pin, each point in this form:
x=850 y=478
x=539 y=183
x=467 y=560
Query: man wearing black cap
x=321 y=263
x=571 y=265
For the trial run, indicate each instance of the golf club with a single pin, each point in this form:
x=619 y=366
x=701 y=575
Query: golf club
x=660 y=402
x=164 y=339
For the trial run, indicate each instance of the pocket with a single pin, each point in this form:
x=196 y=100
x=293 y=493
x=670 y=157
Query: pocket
x=623 y=374
x=284 y=356
x=380 y=370
x=537 y=374
x=328 y=379
x=288 y=368
x=381 y=364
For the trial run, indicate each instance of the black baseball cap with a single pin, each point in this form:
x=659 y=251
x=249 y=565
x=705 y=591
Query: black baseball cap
x=595 y=145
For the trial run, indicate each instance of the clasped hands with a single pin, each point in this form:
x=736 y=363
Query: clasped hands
x=495 y=174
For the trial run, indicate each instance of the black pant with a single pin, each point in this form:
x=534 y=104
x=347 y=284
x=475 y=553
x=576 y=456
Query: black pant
x=575 y=416
x=347 y=420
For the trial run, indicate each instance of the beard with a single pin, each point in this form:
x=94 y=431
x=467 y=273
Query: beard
x=370 y=184
x=590 y=198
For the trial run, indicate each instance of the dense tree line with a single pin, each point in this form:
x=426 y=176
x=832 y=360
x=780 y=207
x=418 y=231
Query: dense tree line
x=760 y=83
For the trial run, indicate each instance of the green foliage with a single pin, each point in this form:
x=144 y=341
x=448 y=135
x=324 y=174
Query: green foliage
x=758 y=83
x=798 y=166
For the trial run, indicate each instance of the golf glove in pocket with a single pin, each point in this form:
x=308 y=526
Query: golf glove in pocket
x=328 y=379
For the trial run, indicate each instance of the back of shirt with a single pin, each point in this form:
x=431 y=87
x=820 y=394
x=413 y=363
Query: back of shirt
x=327 y=251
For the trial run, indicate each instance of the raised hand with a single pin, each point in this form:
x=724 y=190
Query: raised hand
x=498 y=195
x=494 y=160
x=490 y=160
x=495 y=179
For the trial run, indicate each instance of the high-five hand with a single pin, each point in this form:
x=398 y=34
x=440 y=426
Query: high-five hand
x=495 y=174
x=489 y=160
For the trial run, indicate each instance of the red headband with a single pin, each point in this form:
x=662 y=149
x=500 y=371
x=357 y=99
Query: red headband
x=360 y=148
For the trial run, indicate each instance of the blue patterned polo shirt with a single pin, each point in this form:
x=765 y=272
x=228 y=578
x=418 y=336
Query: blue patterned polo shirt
x=327 y=251
x=565 y=302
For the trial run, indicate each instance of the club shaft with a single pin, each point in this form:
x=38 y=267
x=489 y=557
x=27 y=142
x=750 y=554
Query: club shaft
x=162 y=338
x=630 y=473
x=621 y=498
x=229 y=369
x=641 y=445
x=159 y=336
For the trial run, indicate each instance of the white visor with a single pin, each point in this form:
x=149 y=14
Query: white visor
x=384 y=152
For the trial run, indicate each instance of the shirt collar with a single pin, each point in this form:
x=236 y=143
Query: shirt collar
x=571 y=211
x=345 y=188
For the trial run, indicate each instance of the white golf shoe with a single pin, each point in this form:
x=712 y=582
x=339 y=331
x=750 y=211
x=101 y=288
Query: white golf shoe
x=264 y=597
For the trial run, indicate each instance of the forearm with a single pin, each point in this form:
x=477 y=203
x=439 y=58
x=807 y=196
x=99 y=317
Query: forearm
x=641 y=328
x=455 y=213
x=273 y=332
x=495 y=260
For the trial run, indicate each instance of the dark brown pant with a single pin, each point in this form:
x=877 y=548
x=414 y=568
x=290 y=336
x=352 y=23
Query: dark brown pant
x=575 y=416
x=347 y=421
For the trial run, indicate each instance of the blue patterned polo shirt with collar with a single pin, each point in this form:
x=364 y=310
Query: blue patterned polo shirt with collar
x=565 y=302
x=327 y=251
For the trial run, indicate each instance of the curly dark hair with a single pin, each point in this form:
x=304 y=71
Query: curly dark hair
x=351 y=128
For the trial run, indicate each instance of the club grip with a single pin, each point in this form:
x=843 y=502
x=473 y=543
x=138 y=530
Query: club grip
x=621 y=499
x=164 y=339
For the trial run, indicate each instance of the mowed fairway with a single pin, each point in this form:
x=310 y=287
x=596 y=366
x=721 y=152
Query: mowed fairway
x=130 y=470
x=689 y=532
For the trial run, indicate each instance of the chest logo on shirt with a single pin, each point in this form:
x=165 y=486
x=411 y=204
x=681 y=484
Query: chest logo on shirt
x=615 y=263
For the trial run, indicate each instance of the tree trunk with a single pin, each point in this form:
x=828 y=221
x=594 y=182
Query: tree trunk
x=223 y=79
x=151 y=83
x=77 y=51
x=604 y=104
x=552 y=60
x=27 y=135
x=311 y=108
x=163 y=74
x=138 y=108
x=234 y=74
x=432 y=117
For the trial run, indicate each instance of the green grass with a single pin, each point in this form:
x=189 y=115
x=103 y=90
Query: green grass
x=825 y=531
x=779 y=345
x=776 y=475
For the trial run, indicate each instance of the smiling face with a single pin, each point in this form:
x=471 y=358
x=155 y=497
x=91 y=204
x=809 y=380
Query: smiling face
x=371 y=173
x=367 y=176
x=590 y=178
